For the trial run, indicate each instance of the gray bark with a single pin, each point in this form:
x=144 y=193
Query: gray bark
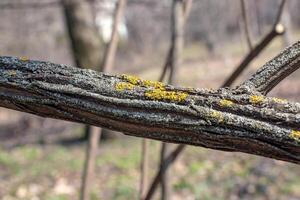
x=240 y=119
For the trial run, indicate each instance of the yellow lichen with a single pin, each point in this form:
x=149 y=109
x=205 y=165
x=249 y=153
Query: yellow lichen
x=144 y=83
x=131 y=79
x=12 y=72
x=255 y=99
x=23 y=58
x=216 y=115
x=157 y=94
x=278 y=100
x=123 y=86
x=154 y=84
x=225 y=103
x=156 y=89
x=295 y=135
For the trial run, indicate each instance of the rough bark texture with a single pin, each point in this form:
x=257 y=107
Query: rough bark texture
x=239 y=119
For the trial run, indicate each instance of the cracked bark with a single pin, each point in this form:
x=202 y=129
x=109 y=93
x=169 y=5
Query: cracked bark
x=250 y=123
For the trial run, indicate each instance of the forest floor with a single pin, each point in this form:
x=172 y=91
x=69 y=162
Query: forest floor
x=36 y=164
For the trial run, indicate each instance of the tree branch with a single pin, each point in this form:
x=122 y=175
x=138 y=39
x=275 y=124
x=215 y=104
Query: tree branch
x=224 y=119
x=245 y=24
x=277 y=29
x=275 y=70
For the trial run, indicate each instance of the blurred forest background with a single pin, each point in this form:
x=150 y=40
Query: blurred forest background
x=41 y=158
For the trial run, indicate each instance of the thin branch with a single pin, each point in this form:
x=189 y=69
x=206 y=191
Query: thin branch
x=274 y=71
x=279 y=13
x=168 y=160
x=254 y=53
x=144 y=169
x=277 y=29
x=111 y=49
x=246 y=24
x=187 y=7
x=89 y=164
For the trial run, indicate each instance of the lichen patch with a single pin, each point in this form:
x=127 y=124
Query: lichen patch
x=131 y=79
x=154 y=90
x=255 y=99
x=295 y=135
x=123 y=86
x=278 y=100
x=216 y=115
x=154 y=84
x=158 y=94
x=23 y=58
x=225 y=103
x=143 y=83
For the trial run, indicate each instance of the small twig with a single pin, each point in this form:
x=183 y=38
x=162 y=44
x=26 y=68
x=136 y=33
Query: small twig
x=169 y=160
x=89 y=164
x=246 y=24
x=108 y=60
x=144 y=169
x=279 y=13
x=187 y=6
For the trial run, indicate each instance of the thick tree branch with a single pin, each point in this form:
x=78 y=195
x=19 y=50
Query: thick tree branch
x=224 y=119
